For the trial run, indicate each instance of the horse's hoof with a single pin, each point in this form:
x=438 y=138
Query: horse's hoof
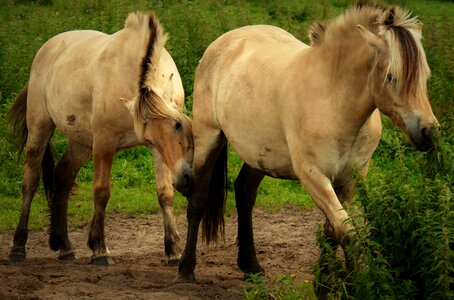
x=251 y=268
x=185 y=278
x=16 y=258
x=71 y=255
x=102 y=261
x=173 y=261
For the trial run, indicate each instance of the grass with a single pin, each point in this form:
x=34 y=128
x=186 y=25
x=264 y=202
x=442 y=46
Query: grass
x=192 y=26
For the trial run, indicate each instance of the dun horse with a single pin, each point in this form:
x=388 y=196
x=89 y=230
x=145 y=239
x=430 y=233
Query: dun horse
x=78 y=81
x=310 y=113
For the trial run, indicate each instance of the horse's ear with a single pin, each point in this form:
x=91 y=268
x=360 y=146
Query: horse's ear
x=316 y=32
x=419 y=26
x=371 y=38
x=168 y=90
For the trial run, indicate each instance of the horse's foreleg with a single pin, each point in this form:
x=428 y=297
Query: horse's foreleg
x=322 y=192
x=344 y=193
x=246 y=186
x=102 y=159
x=35 y=147
x=66 y=171
x=165 y=197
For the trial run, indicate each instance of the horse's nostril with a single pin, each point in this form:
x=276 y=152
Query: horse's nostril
x=425 y=132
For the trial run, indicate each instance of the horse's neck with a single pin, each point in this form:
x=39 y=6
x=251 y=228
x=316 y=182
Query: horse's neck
x=345 y=72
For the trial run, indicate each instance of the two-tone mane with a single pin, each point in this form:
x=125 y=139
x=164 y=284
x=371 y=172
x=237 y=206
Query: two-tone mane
x=149 y=104
x=407 y=68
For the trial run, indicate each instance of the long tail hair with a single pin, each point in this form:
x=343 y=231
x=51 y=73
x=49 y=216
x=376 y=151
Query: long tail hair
x=17 y=118
x=213 y=219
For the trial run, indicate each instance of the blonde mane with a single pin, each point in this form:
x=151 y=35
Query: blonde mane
x=148 y=104
x=401 y=32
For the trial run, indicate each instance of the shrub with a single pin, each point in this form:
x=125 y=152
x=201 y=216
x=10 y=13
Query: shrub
x=403 y=247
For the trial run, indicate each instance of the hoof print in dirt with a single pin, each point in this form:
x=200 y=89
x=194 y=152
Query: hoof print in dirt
x=185 y=279
x=68 y=256
x=102 y=261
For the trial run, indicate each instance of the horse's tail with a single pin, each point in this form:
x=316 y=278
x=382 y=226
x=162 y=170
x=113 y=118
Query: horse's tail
x=213 y=219
x=17 y=117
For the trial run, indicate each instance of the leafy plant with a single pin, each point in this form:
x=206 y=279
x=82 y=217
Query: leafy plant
x=403 y=246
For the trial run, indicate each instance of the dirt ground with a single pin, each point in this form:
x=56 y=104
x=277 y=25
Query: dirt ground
x=285 y=242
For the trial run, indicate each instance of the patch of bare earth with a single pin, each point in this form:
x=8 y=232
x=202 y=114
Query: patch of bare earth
x=285 y=243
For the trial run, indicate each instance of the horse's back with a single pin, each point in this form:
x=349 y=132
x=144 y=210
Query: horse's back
x=246 y=56
x=69 y=50
x=250 y=44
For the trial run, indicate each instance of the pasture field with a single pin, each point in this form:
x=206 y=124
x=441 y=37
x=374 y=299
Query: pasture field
x=406 y=198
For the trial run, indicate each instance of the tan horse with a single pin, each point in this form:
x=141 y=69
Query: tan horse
x=77 y=80
x=310 y=113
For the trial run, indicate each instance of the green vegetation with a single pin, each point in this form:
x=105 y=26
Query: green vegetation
x=282 y=287
x=405 y=247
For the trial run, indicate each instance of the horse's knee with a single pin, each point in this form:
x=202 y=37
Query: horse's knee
x=165 y=195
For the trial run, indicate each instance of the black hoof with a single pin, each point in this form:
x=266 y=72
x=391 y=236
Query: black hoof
x=251 y=268
x=102 y=261
x=185 y=278
x=16 y=258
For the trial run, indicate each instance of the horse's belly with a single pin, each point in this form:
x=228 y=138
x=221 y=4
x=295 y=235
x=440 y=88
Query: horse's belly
x=270 y=158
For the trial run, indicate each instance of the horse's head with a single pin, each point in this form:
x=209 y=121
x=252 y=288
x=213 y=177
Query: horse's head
x=158 y=122
x=159 y=125
x=398 y=83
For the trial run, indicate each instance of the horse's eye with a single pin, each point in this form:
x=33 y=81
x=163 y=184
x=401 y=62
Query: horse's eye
x=178 y=126
x=391 y=80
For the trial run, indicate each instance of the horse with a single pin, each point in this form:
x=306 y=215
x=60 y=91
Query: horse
x=305 y=112
x=104 y=93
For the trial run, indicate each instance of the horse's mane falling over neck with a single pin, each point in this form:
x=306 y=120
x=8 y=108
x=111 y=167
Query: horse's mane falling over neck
x=148 y=104
x=400 y=31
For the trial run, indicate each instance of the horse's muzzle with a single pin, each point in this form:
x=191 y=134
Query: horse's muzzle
x=422 y=139
x=184 y=183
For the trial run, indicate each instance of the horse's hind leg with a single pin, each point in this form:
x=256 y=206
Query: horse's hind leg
x=38 y=137
x=165 y=193
x=66 y=171
x=207 y=150
x=246 y=185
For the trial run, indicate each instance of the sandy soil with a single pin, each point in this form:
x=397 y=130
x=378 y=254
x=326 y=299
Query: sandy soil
x=285 y=242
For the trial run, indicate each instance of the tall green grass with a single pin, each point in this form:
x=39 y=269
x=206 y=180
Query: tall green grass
x=406 y=242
